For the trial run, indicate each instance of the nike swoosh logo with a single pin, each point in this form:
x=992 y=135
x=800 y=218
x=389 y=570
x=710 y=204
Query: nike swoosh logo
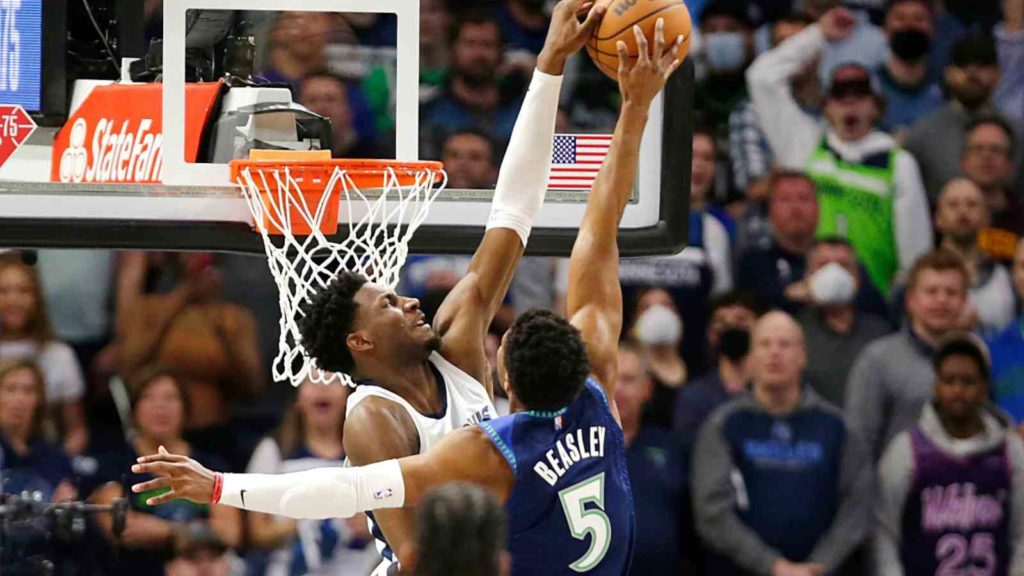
x=242 y=496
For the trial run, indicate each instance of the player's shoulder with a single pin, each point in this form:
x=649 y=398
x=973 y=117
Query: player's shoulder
x=378 y=426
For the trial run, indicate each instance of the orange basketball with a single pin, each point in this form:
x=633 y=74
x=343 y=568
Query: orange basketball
x=618 y=25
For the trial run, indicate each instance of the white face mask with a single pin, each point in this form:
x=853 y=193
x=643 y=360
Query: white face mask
x=832 y=284
x=659 y=325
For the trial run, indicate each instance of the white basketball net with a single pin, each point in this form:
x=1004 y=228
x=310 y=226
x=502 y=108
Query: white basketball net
x=376 y=228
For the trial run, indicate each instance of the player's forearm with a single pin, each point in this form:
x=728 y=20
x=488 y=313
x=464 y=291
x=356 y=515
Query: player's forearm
x=316 y=494
x=523 y=176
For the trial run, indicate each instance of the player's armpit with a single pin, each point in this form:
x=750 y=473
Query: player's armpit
x=466 y=455
x=377 y=430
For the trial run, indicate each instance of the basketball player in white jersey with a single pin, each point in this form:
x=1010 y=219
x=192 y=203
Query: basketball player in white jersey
x=418 y=382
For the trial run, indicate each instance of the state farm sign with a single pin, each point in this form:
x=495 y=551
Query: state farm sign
x=116 y=135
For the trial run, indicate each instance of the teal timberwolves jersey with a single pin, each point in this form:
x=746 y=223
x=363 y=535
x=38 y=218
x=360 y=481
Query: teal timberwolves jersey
x=571 y=509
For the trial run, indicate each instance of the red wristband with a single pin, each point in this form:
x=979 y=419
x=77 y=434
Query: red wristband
x=218 y=486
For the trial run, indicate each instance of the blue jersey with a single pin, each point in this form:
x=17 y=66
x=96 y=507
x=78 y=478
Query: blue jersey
x=571 y=509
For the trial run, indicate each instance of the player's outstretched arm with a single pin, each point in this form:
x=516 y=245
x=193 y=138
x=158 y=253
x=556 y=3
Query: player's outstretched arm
x=463 y=318
x=594 y=301
x=466 y=455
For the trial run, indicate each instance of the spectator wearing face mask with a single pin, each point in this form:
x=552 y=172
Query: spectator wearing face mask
x=732 y=316
x=869 y=189
x=959 y=217
x=910 y=91
x=728 y=43
x=937 y=140
x=835 y=328
x=1007 y=349
x=892 y=378
x=659 y=331
x=952 y=487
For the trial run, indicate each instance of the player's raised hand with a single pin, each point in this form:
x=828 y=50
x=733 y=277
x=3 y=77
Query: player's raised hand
x=572 y=23
x=639 y=83
x=185 y=477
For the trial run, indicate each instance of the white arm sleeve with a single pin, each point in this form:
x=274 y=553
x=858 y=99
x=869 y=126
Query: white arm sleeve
x=523 y=177
x=319 y=493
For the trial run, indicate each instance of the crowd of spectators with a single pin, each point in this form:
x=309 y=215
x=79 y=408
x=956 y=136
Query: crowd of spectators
x=828 y=379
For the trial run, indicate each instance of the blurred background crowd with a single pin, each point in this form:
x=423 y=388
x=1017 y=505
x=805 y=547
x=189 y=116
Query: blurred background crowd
x=856 y=166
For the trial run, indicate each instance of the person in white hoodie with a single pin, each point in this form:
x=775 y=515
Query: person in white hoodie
x=952 y=487
x=869 y=189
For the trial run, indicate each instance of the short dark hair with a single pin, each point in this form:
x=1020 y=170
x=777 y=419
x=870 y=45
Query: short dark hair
x=327 y=321
x=476 y=133
x=834 y=240
x=473 y=17
x=546 y=360
x=735 y=298
x=963 y=344
x=779 y=174
x=325 y=73
x=976 y=48
x=893 y=3
x=460 y=530
x=998 y=121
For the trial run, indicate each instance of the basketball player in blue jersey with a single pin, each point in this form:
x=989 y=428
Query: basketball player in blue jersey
x=558 y=463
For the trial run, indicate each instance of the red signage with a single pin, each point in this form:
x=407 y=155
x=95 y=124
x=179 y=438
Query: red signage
x=116 y=135
x=15 y=127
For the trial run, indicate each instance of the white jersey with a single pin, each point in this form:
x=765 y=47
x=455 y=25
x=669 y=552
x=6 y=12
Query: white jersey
x=464 y=403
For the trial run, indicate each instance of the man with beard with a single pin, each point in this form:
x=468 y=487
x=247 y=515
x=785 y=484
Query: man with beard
x=869 y=190
x=937 y=140
x=959 y=217
x=908 y=87
x=472 y=96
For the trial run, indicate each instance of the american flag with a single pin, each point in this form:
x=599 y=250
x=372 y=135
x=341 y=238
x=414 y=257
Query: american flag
x=575 y=160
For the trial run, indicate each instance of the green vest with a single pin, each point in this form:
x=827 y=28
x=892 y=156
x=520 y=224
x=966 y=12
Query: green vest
x=856 y=203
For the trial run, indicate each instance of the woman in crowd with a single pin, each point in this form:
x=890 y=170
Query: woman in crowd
x=27 y=459
x=160 y=409
x=211 y=344
x=25 y=332
x=309 y=437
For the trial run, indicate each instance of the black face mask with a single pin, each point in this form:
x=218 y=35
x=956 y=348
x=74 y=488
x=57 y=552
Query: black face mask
x=910 y=45
x=734 y=343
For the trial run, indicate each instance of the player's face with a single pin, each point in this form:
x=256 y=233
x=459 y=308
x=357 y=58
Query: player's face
x=960 y=388
x=633 y=388
x=392 y=323
x=937 y=300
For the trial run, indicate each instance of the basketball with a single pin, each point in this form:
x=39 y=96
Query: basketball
x=618 y=25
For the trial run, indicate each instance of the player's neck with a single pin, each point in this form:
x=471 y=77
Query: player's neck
x=415 y=384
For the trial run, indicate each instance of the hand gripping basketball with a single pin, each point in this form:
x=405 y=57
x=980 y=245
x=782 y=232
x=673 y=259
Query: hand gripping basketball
x=567 y=34
x=640 y=82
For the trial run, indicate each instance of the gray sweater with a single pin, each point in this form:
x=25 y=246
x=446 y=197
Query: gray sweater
x=897 y=474
x=740 y=507
x=889 y=384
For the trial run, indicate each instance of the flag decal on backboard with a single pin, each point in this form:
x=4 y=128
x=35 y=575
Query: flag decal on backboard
x=575 y=160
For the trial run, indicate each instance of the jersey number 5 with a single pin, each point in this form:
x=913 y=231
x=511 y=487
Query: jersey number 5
x=583 y=521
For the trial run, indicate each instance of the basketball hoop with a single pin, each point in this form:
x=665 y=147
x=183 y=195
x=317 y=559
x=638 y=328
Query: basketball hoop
x=296 y=202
